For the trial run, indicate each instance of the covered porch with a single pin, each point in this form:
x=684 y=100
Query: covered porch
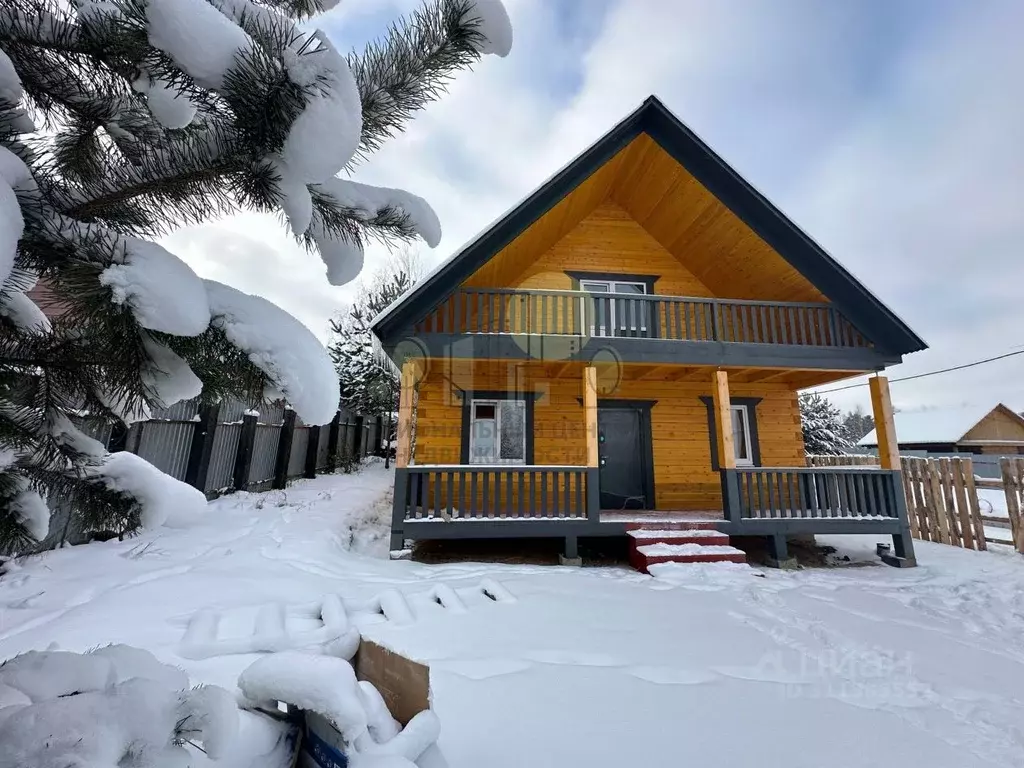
x=527 y=500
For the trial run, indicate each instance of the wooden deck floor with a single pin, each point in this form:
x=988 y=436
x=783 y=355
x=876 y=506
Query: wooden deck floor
x=658 y=516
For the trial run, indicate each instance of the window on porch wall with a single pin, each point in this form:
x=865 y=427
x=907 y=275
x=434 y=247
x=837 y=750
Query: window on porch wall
x=498 y=432
x=741 y=436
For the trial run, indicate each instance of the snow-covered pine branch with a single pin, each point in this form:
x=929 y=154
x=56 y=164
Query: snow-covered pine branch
x=824 y=432
x=121 y=120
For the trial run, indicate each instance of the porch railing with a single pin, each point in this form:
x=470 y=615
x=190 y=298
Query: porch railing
x=676 y=318
x=471 y=492
x=768 y=493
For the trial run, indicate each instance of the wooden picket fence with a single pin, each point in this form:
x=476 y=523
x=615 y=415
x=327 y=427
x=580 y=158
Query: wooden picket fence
x=942 y=498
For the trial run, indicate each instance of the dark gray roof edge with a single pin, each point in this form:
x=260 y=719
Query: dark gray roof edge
x=850 y=296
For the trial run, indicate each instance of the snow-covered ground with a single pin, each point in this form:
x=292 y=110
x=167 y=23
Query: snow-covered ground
x=721 y=665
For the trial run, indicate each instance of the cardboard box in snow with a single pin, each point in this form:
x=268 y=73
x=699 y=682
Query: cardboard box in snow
x=404 y=684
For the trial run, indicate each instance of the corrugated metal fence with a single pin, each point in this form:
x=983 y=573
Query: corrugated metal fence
x=225 y=447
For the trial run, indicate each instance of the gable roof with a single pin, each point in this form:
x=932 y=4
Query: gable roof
x=938 y=425
x=652 y=118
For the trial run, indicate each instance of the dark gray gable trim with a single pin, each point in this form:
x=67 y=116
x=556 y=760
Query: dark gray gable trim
x=854 y=300
x=468 y=396
x=755 y=440
x=647 y=280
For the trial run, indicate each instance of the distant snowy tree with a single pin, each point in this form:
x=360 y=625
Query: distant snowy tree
x=858 y=423
x=121 y=120
x=823 y=428
x=369 y=385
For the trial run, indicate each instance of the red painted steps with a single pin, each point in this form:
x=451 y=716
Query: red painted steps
x=676 y=542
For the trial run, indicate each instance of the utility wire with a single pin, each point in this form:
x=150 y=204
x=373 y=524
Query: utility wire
x=929 y=373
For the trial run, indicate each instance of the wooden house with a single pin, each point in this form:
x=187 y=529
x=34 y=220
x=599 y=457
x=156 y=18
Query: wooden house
x=997 y=431
x=625 y=347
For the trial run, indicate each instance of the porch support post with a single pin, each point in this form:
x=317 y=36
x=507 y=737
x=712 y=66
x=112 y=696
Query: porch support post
x=590 y=413
x=889 y=457
x=885 y=425
x=723 y=419
x=403 y=453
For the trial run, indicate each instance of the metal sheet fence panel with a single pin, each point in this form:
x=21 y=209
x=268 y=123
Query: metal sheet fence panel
x=271 y=414
x=95 y=429
x=220 y=475
x=183 y=411
x=297 y=458
x=231 y=411
x=323 y=448
x=264 y=454
x=165 y=445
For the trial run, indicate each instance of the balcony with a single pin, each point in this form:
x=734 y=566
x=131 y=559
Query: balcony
x=546 y=324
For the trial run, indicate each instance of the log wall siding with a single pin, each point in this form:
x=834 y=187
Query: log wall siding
x=683 y=476
x=608 y=240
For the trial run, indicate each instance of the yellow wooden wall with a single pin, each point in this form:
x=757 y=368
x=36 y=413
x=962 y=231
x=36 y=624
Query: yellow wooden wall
x=608 y=240
x=683 y=476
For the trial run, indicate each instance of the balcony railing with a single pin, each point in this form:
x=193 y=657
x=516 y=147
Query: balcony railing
x=675 y=318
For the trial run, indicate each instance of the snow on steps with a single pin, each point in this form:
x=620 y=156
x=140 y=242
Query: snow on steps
x=331 y=625
x=686 y=542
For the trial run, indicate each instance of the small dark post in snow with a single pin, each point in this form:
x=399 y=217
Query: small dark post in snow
x=201 y=448
x=333 y=435
x=243 y=457
x=360 y=439
x=312 y=449
x=284 y=449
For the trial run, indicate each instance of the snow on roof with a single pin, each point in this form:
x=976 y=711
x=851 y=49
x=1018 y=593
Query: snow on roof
x=934 y=425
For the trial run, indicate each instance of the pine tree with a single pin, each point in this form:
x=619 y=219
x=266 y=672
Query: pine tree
x=823 y=428
x=368 y=381
x=123 y=119
x=858 y=424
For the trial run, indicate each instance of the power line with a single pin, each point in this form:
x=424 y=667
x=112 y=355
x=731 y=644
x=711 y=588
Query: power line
x=930 y=373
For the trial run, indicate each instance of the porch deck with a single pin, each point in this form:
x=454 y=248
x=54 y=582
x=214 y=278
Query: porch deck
x=472 y=501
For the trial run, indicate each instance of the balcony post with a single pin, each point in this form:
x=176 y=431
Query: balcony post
x=722 y=408
x=403 y=452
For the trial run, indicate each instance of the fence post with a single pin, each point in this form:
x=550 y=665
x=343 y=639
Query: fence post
x=359 y=441
x=398 y=509
x=312 y=449
x=243 y=457
x=378 y=434
x=284 y=450
x=201 y=448
x=333 y=435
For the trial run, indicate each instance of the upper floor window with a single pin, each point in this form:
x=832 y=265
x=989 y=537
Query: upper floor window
x=617 y=315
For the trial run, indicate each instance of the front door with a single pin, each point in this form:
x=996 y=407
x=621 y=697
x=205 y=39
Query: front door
x=621 y=454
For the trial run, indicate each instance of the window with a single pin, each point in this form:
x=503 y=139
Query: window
x=497 y=432
x=616 y=316
x=741 y=436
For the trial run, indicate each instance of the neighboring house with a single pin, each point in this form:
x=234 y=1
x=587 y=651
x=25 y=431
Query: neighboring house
x=627 y=344
x=976 y=429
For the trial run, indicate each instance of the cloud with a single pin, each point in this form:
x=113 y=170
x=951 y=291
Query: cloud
x=889 y=133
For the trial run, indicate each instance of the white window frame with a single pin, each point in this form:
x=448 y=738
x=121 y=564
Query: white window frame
x=744 y=412
x=611 y=285
x=474 y=457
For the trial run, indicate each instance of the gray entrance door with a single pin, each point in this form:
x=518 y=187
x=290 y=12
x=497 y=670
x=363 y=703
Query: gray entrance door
x=621 y=458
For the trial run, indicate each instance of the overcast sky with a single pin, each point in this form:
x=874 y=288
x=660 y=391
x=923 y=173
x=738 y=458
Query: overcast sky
x=892 y=131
